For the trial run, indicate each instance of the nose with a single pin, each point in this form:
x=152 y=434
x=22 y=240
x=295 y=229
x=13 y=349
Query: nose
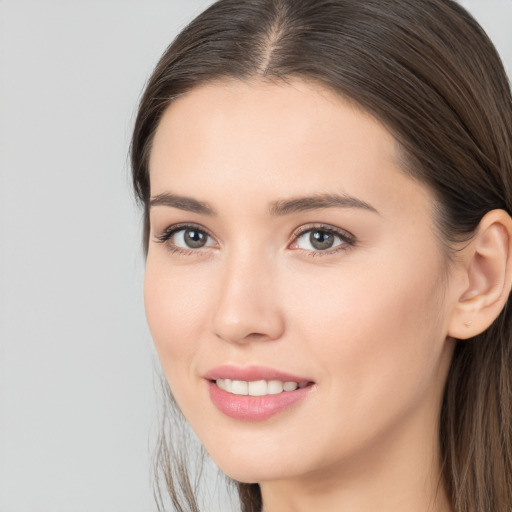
x=247 y=306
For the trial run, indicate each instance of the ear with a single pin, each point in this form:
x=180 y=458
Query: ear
x=487 y=267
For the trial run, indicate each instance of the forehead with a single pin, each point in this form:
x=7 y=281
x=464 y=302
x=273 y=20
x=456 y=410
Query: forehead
x=241 y=139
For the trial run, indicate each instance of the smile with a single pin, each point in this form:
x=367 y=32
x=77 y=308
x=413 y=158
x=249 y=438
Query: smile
x=258 y=387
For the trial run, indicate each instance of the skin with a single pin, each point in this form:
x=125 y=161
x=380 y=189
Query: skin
x=367 y=321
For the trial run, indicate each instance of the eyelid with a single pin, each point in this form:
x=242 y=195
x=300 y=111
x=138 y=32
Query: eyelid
x=323 y=227
x=165 y=236
x=348 y=239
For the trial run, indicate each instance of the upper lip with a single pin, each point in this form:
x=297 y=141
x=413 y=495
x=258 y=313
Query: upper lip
x=252 y=373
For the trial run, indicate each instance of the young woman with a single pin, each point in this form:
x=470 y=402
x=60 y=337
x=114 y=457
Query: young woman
x=326 y=188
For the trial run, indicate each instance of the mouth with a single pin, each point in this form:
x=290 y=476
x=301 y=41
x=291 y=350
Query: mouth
x=255 y=393
x=259 y=387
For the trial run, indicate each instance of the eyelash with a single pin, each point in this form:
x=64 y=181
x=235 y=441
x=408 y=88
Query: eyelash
x=347 y=239
x=168 y=233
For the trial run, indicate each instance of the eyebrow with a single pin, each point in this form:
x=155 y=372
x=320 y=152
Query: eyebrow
x=316 y=202
x=187 y=204
x=277 y=208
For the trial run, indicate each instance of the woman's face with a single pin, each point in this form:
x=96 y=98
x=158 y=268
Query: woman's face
x=287 y=245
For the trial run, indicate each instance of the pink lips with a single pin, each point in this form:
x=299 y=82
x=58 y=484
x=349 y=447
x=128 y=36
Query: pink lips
x=253 y=408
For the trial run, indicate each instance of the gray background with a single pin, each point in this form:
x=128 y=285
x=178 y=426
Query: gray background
x=77 y=368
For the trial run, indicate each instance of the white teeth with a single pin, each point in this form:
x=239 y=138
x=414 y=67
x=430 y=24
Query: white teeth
x=224 y=384
x=258 y=387
x=274 y=387
x=290 y=386
x=239 y=387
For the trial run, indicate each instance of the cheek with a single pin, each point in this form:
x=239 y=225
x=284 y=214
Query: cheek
x=375 y=330
x=176 y=309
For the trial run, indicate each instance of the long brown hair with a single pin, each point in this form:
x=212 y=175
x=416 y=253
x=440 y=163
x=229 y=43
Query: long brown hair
x=428 y=71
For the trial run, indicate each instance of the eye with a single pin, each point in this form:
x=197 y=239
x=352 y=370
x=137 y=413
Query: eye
x=322 y=239
x=183 y=238
x=190 y=238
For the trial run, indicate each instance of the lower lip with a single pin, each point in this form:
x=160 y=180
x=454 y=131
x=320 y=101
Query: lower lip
x=254 y=408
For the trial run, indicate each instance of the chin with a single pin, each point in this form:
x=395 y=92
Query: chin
x=257 y=465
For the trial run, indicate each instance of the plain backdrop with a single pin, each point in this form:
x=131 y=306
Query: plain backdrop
x=77 y=368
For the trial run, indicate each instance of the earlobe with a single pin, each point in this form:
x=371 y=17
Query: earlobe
x=488 y=268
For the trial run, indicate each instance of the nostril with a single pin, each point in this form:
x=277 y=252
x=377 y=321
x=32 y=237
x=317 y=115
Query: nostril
x=256 y=335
